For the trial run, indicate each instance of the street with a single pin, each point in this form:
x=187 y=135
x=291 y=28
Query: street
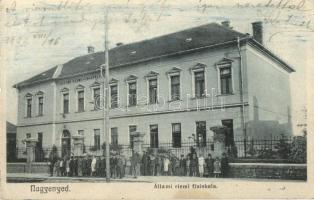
x=45 y=178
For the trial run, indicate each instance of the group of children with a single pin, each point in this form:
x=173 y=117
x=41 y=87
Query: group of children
x=88 y=166
x=148 y=164
x=189 y=165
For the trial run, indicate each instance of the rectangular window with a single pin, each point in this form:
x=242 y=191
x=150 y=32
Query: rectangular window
x=225 y=80
x=40 y=140
x=152 y=91
x=176 y=135
x=80 y=101
x=201 y=133
x=97 y=139
x=80 y=132
x=154 y=136
x=175 y=87
x=229 y=141
x=65 y=103
x=29 y=108
x=40 y=106
x=199 y=84
x=96 y=98
x=132 y=94
x=114 y=96
x=28 y=135
x=132 y=129
x=114 y=136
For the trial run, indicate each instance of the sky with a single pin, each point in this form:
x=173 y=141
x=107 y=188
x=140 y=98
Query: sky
x=39 y=35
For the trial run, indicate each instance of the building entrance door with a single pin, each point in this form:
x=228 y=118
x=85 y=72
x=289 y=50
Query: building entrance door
x=66 y=143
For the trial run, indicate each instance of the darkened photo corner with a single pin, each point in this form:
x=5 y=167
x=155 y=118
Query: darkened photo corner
x=156 y=92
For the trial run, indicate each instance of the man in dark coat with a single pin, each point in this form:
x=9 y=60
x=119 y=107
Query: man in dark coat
x=182 y=165
x=224 y=165
x=75 y=166
x=72 y=166
x=53 y=158
x=84 y=166
x=98 y=169
x=103 y=166
x=79 y=166
x=89 y=166
x=145 y=163
x=209 y=165
x=120 y=166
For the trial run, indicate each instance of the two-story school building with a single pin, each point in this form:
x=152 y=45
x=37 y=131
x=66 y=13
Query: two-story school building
x=171 y=88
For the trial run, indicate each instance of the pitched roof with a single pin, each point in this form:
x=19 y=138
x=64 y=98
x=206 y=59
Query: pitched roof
x=185 y=40
x=192 y=38
x=46 y=75
x=11 y=128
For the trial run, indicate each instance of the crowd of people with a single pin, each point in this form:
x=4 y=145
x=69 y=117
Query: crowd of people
x=88 y=166
x=189 y=165
x=148 y=164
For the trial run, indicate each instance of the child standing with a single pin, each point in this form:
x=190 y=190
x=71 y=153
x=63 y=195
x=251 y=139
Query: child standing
x=201 y=162
x=217 y=167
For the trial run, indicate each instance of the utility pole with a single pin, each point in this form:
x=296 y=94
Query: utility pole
x=106 y=97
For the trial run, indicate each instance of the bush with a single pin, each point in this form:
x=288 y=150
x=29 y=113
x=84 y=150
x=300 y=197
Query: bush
x=298 y=149
x=283 y=147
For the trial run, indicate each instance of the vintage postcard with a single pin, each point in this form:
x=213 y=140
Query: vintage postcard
x=156 y=99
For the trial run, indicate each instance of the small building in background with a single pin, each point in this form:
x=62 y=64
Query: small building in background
x=11 y=142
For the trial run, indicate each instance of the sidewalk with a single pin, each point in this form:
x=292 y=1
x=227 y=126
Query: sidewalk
x=27 y=177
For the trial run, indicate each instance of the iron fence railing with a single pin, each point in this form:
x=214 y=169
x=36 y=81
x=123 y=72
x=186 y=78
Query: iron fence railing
x=250 y=148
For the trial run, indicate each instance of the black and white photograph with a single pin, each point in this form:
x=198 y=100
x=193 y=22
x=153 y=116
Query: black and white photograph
x=177 y=95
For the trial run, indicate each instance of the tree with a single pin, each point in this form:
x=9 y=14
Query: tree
x=283 y=147
x=298 y=149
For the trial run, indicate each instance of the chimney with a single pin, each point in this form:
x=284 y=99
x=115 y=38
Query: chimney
x=258 y=31
x=119 y=44
x=226 y=24
x=90 y=49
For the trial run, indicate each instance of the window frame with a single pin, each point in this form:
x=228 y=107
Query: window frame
x=93 y=95
x=130 y=137
x=97 y=143
x=80 y=131
x=198 y=142
x=29 y=112
x=63 y=92
x=173 y=133
x=148 y=79
x=110 y=99
x=128 y=92
x=68 y=105
x=153 y=145
x=117 y=136
x=40 y=142
x=219 y=68
x=40 y=106
x=199 y=67
x=77 y=100
x=170 y=75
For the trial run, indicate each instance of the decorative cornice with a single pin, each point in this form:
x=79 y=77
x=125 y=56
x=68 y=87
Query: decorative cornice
x=79 y=87
x=174 y=70
x=95 y=84
x=113 y=81
x=151 y=74
x=63 y=90
x=224 y=61
x=28 y=95
x=39 y=93
x=198 y=66
x=131 y=78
